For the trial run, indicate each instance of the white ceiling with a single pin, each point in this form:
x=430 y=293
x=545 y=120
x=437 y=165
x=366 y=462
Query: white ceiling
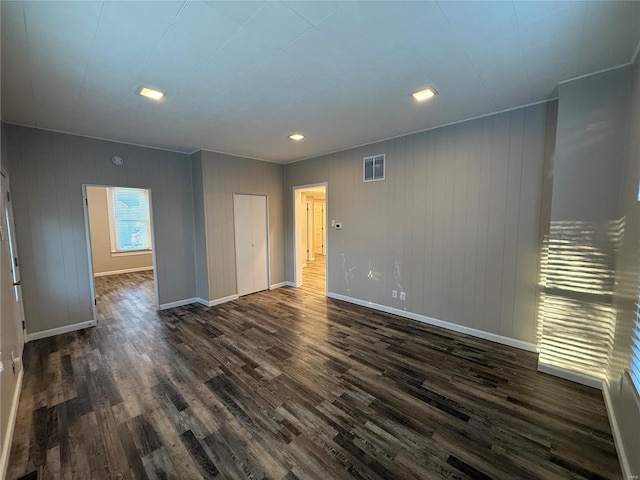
x=241 y=76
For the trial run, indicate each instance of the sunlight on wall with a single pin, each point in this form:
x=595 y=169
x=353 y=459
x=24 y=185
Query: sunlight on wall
x=576 y=316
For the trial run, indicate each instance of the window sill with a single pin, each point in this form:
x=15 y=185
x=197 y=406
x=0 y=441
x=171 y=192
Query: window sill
x=133 y=252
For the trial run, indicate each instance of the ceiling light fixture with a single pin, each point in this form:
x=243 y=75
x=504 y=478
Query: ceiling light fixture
x=296 y=136
x=425 y=94
x=151 y=93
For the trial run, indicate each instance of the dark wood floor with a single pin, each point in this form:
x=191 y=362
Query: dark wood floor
x=289 y=384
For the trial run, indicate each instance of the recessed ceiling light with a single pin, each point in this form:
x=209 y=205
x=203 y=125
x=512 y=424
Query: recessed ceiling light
x=296 y=136
x=151 y=93
x=425 y=94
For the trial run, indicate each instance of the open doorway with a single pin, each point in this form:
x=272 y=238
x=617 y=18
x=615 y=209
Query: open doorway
x=121 y=248
x=311 y=249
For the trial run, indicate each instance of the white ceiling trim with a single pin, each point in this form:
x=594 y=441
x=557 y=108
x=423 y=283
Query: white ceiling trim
x=98 y=138
x=427 y=129
x=234 y=155
x=587 y=75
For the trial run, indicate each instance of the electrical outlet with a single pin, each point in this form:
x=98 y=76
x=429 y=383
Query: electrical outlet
x=403 y=296
x=394 y=293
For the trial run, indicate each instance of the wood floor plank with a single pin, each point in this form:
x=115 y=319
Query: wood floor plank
x=290 y=384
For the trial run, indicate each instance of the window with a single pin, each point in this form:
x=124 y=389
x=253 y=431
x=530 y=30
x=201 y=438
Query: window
x=634 y=368
x=635 y=349
x=373 y=168
x=129 y=219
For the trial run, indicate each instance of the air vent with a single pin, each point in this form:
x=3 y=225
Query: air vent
x=373 y=168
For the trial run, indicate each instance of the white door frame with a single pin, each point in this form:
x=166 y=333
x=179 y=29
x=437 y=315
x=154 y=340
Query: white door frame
x=15 y=256
x=85 y=206
x=235 y=240
x=297 y=232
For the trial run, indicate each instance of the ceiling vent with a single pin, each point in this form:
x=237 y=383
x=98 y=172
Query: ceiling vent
x=373 y=168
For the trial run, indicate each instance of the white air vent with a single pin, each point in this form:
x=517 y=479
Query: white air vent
x=373 y=168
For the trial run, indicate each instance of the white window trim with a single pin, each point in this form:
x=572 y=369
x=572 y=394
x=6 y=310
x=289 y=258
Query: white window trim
x=147 y=251
x=112 y=227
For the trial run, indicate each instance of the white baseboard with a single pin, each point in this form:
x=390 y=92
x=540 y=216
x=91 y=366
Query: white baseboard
x=617 y=438
x=512 y=342
x=126 y=270
x=576 y=377
x=8 y=437
x=281 y=284
x=202 y=301
x=217 y=301
x=178 y=303
x=60 y=330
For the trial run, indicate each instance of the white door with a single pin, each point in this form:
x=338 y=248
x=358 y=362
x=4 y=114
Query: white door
x=310 y=240
x=318 y=228
x=10 y=256
x=251 y=232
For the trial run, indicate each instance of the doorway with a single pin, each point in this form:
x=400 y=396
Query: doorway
x=310 y=245
x=12 y=283
x=121 y=247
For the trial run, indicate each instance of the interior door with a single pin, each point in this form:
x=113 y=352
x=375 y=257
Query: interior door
x=310 y=240
x=318 y=228
x=251 y=232
x=12 y=261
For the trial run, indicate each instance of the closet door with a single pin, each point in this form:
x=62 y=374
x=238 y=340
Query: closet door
x=259 y=238
x=250 y=219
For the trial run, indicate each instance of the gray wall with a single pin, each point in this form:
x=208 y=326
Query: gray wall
x=48 y=171
x=222 y=176
x=590 y=147
x=103 y=260
x=202 y=262
x=585 y=224
x=624 y=404
x=456 y=223
x=591 y=283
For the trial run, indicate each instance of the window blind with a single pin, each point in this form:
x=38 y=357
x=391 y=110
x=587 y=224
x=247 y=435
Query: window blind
x=129 y=219
x=635 y=349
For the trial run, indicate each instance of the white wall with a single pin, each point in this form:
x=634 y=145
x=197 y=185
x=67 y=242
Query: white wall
x=456 y=224
x=103 y=260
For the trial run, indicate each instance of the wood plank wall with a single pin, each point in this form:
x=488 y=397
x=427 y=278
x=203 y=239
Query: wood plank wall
x=222 y=176
x=456 y=224
x=48 y=170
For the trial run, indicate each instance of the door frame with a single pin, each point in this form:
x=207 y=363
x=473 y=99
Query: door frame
x=235 y=240
x=87 y=230
x=15 y=255
x=297 y=232
x=323 y=221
